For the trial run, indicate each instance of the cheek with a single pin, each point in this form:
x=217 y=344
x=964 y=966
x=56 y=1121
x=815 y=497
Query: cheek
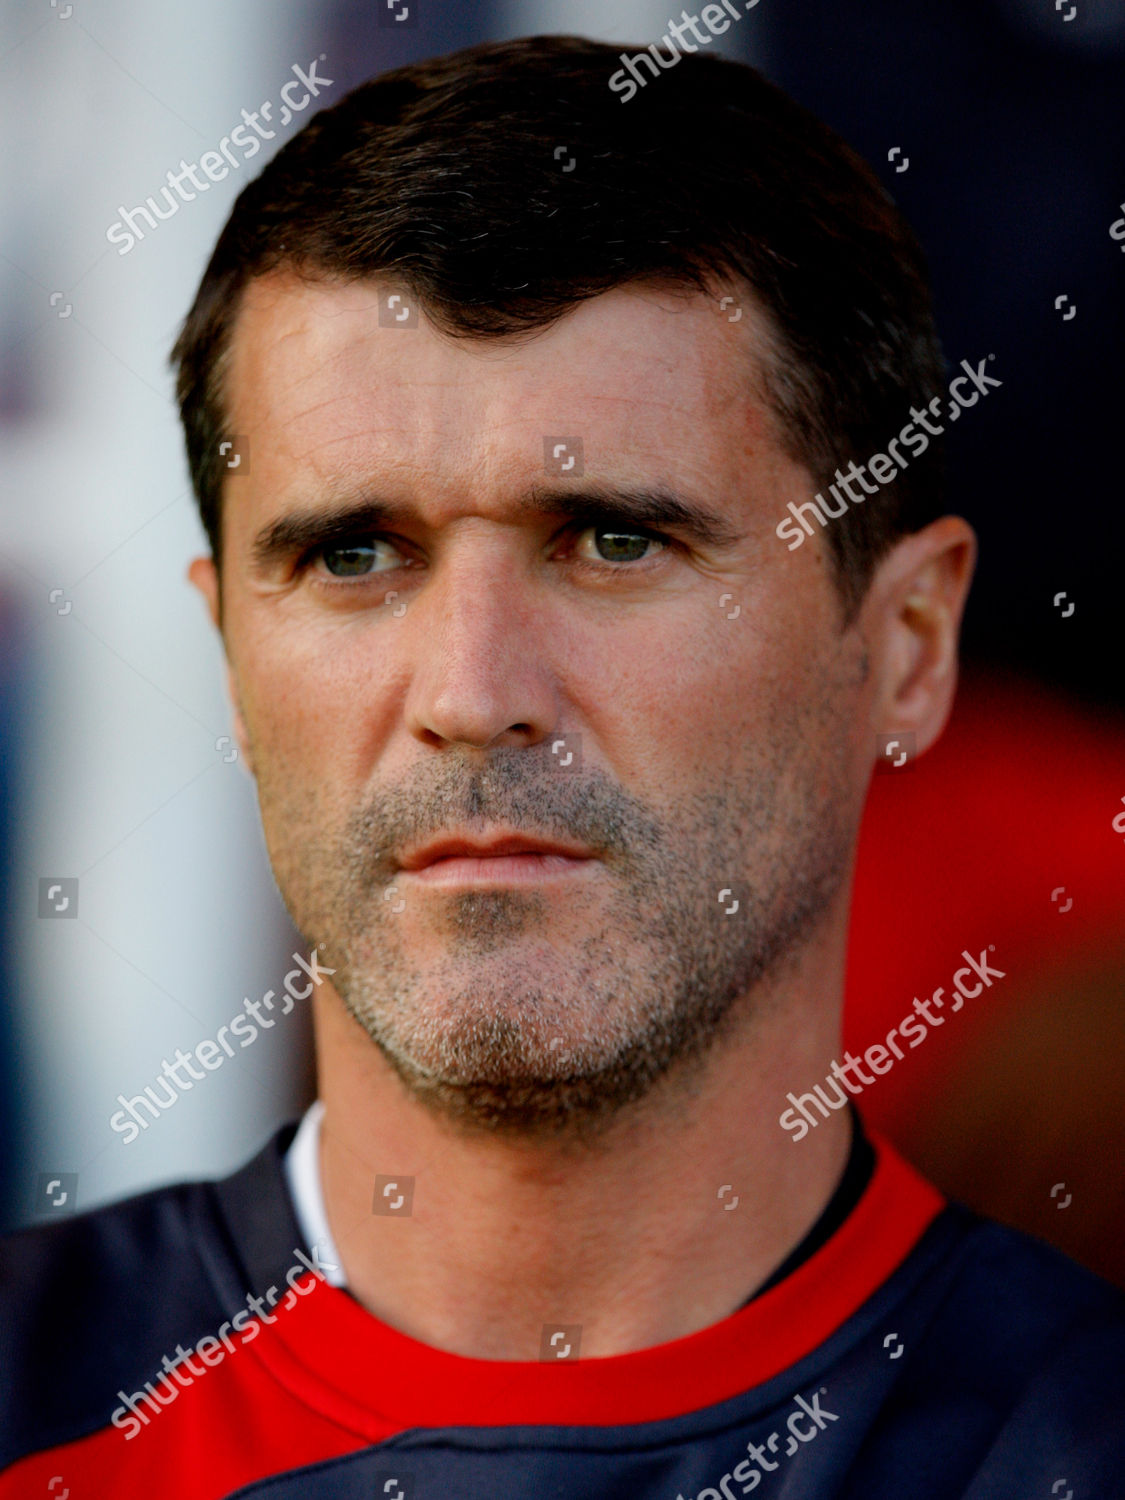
x=666 y=697
x=299 y=698
x=668 y=689
x=770 y=692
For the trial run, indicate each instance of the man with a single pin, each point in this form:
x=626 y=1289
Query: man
x=505 y=399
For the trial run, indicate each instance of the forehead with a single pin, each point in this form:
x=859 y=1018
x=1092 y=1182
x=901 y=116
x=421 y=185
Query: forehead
x=658 y=385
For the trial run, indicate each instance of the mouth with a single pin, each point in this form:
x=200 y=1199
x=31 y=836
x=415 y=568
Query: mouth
x=506 y=869
x=511 y=859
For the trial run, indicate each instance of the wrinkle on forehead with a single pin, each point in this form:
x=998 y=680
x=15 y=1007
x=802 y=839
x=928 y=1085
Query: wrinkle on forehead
x=662 y=386
x=282 y=306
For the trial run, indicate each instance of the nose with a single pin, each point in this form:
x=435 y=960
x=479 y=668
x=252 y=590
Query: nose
x=479 y=638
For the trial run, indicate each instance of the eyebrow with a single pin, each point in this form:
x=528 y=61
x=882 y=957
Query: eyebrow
x=647 y=508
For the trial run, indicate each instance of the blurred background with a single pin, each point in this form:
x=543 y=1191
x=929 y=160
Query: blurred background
x=138 y=904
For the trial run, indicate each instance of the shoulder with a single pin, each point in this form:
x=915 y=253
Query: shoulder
x=1015 y=1352
x=91 y=1303
x=1016 y=1285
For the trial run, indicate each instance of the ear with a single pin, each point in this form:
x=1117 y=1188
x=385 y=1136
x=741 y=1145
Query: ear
x=912 y=619
x=205 y=576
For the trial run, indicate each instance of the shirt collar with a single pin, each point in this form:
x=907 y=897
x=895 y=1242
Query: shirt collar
x=302 y=1176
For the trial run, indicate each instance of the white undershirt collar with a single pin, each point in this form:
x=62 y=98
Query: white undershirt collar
x=302 y=1174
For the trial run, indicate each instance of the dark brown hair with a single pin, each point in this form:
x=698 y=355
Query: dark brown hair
x=446 y=177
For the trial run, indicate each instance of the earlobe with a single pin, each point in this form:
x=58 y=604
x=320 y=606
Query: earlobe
x=238 y=723
x=923 y=608
x=204 y=575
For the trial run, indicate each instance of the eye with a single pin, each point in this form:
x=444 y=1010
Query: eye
x=615 y=546
x=353 y=558
x=601 y=549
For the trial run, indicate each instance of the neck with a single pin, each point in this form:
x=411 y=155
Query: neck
x=629 y=1238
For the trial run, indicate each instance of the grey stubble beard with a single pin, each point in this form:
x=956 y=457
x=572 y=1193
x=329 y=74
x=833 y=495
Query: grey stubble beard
x=515 y=1035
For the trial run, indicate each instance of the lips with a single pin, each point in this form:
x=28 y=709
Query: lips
x=456 y=847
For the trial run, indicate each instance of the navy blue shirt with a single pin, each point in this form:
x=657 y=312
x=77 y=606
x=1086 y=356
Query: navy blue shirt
x=183 y=1343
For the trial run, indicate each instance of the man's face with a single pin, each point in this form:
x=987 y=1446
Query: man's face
x=684 y=708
